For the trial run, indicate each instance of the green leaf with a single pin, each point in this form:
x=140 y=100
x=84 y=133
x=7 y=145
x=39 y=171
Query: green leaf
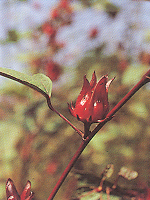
x=38 y=82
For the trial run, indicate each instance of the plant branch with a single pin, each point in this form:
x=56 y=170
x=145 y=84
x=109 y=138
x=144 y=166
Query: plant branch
x=68 y=168
x=64 y=118
x=86 y=130
x=145 y=79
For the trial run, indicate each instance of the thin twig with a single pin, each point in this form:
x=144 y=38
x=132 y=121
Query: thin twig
x=64 y=118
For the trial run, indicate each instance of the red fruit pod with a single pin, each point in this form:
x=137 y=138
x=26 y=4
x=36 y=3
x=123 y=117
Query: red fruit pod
x=92 y=103
x=53 y=71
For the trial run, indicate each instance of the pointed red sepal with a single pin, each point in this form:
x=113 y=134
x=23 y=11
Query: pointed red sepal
x=85 y=89
x=11 y=191
x=100 y=89
x=26 y=192
x=93 y=80
x=108 y=83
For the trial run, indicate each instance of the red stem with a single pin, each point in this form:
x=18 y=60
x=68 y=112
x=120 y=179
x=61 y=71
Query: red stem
x=68 y=168
x=64 y=118
x=143 y=81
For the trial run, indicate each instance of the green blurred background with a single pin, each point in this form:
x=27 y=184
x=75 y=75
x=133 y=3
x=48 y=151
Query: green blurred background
x=35 y=143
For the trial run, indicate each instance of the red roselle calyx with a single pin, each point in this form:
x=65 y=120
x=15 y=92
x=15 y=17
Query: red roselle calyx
x=92 y=103
x=12 y=193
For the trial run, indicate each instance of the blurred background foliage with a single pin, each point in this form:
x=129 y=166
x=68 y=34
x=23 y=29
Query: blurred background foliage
x=37 y=145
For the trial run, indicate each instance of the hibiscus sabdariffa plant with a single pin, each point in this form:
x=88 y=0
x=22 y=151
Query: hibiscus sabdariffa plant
x=92 y=106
